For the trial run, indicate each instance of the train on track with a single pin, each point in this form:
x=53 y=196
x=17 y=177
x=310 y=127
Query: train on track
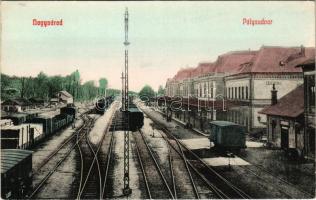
x=102 y=104
x=27 y=131
x=227 y=135
x=136 y=118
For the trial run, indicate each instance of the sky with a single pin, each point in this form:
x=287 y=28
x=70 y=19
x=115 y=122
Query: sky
x=164 y=36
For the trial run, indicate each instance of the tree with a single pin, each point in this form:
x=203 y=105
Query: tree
x=103 y=84
x=41 y=86
x=161 y=90
x=45 y=87
x=147 y=91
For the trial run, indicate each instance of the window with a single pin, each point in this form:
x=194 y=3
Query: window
x=242 y=93
x=235 y=92
x=239 y=92
x=228 y=93
x=211 y=92
x=247 y=92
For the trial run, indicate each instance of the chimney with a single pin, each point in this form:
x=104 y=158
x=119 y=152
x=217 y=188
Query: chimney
x=302 y=50
x=274 y=96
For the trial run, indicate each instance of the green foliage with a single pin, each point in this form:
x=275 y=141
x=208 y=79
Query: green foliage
x=161 y=90
x=147 y=91
x=45 y=87
x=103 y=84
x=113 y=92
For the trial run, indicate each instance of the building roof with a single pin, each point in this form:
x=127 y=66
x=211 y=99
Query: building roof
x=232 y=62
x=203 y=68
x=65 y=93
x=308 y=63
x=17 y=101
x=12 y=157
x=268 y=59
x=278 y=59
x=36 y=100
x=290 y=105
x=183 y=73
x=224 y=123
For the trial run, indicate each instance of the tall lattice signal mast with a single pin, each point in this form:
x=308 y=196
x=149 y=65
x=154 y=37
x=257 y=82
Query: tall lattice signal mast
x=126 y=189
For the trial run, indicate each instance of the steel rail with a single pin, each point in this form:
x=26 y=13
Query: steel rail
x=237 y=193
x=156 y=164
x=95 y=159
x=110 y=149
x=172 y=173
x=289 y=196
x=260 y=167
x=50 y=173
x=188 y=170
x=65 y=142
x=218 y=192
x=143 y=172
x=235 y=189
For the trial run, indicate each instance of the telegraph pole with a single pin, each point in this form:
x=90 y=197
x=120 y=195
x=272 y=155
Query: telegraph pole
x=126 y=190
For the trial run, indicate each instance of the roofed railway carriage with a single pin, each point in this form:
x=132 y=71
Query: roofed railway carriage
x=102 y=104
x=227 y=135
x=16 y=173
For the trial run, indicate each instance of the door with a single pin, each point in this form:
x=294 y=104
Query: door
x=284 y=137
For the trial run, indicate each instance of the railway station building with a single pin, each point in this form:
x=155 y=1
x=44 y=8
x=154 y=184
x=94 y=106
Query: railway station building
x=244 y=79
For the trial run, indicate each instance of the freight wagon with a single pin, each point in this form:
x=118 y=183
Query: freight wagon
x=16 y=173
x=70 y=110
x=47 y=123
x=136 y=119
x=227 y=135
x=16 y=118
x=21 y=136
x=27 y=134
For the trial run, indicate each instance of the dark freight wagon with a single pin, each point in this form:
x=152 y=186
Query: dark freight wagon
x=68 y=110
x=136 y=119
x=17 y=119
x=16 y=173
x=47 y=123
x=227 y=135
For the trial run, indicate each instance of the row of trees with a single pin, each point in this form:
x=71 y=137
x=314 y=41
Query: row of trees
x=149 y=91
x=45 y=87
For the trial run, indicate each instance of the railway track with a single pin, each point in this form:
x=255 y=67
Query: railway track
x=186 y=183
x=45 y=174
x=219 y=184
x=155 y=182
x=63 y=144
x=182 y=183
x=279 y=183
x=94 y=168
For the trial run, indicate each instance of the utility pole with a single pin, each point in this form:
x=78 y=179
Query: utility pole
x=126 y=190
